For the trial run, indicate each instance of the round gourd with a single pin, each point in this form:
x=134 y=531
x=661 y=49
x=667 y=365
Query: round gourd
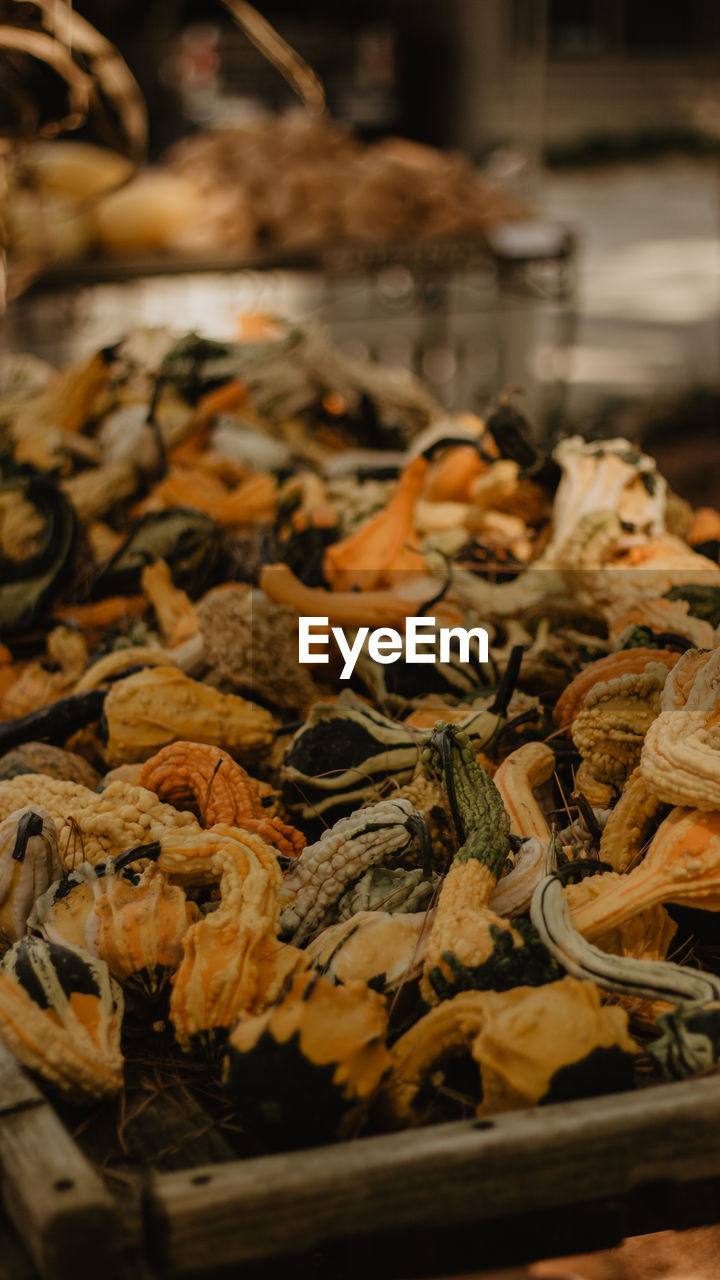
x=305 y=1070
x=41 y=757
x=60 y=1014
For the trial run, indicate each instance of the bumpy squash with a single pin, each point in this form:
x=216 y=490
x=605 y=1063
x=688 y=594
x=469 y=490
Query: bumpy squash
x=470 y=946
x=151 y=708
x=220 y=790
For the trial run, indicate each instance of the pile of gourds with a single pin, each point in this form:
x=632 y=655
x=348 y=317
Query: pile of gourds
x=428 y=890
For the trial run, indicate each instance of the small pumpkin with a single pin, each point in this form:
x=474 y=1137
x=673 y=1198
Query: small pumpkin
x=306 y=1069
x=42 y=757
x=385 y=951
x=60 y=1014
x=29 y=862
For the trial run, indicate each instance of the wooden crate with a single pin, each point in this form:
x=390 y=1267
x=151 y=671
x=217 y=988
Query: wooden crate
x=441 y=1200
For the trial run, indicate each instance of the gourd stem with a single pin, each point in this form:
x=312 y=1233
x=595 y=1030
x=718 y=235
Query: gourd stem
x=581 y=867
x=588 y=815
x=151 y=850
x=151 y=420
x=441 y=741
x=506 y=688
x=30 y=824
x=417 y=826
x=506 y=425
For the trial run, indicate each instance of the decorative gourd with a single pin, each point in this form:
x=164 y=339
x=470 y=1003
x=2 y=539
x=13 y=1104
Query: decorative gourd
x=249 y=644
x=531 y=1045
x=121 y=662
x=134 y=921
x=630 y=824
x=65 y=913
x=232 y=959
x=29 y=862
x=617 y=713
x=647 y=935
x=346 y=751
x=626 y=662
x=29 y=586
x=342 y=753
x=147 y=710
x=343 y=608
x=703 y=600
x=141 y=926
x=93 y=827
x=385 y=548
x=187 y=540
x=691 y=1034
x=682 y=865
x=60 y=1014
x=388 y=889
x=219 y=789
x=176 y=617
x=385 y=951
x=680 y=762
x=392 y=687
x=470 y=946
x=527 y=767
x=41 y=757
x=377 y=834
x=513 y=892
x=652 y=621
x=305 y=1071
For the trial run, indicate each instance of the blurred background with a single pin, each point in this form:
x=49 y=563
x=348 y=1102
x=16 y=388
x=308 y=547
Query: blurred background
x=585 y=270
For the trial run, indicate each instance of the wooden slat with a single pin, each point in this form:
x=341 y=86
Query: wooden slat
x=56 y=1201
x=438 y=1178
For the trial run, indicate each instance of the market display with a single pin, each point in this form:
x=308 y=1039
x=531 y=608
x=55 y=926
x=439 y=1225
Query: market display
x=293 y=181
x=359 y=893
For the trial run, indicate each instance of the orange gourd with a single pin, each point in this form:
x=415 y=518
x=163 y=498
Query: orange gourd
x=385 y=546
x=219 y=788
x=452 y=475
x=627 y=661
